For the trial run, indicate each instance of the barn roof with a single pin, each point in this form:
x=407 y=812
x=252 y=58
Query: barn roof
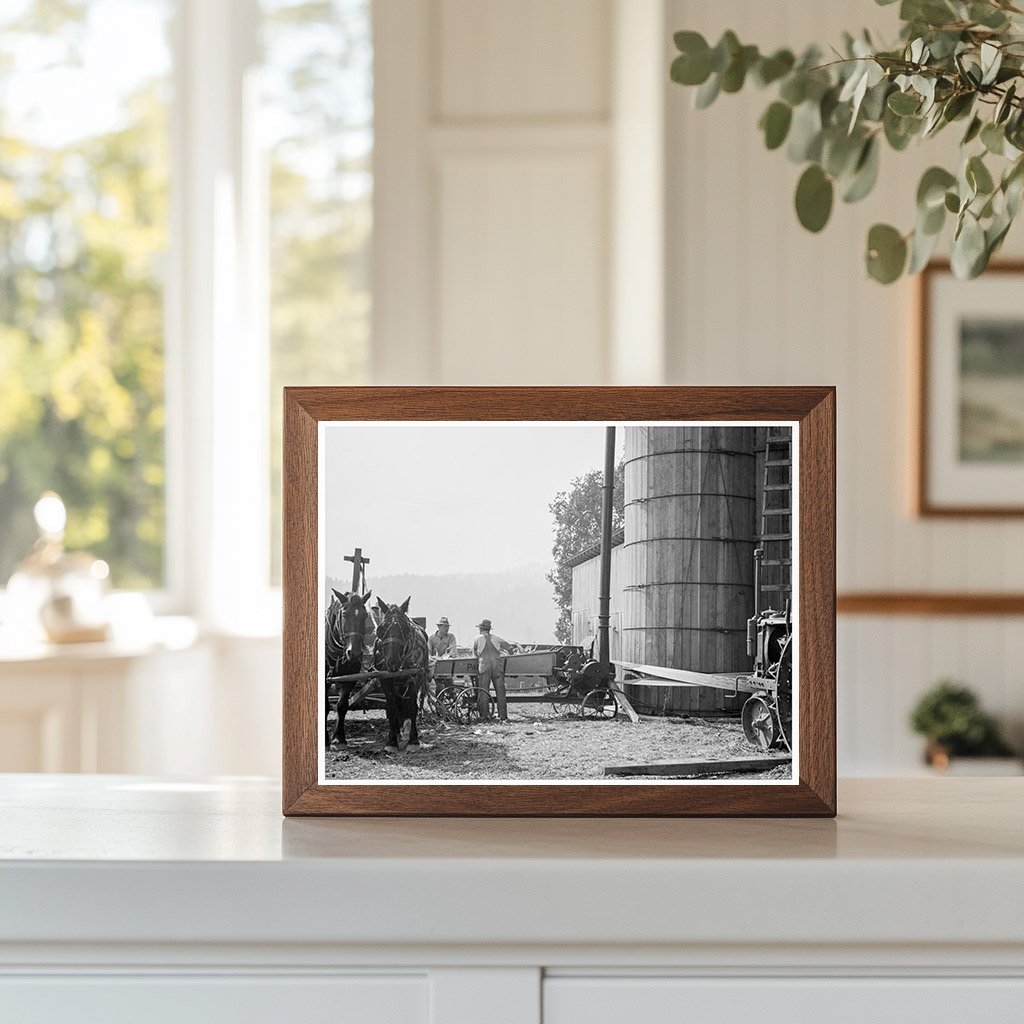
x=593 y=550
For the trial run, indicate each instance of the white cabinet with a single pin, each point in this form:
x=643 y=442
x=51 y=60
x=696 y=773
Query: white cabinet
x=132 y=898
x=202 y=999
x=835 y=1000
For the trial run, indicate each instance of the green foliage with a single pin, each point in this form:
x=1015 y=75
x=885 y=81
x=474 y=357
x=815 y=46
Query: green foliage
x=956 y=60
x=949 y=716
x=82 y=233
x=577 y=516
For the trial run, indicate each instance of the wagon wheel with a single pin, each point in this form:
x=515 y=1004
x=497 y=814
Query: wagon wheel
x=446 y=702
x=599 y=703
x=760 y=725
x=565 y=704
x=464 y=704
x=473 y=694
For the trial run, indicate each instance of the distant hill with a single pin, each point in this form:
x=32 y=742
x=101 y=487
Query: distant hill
x=520 y=602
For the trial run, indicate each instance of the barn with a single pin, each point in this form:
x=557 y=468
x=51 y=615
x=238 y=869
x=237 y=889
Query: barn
x=698 y=501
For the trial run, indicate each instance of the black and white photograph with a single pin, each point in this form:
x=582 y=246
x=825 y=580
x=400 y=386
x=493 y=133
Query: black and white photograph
x=542 y=602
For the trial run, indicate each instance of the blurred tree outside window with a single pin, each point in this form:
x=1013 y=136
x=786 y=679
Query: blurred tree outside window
x=83 y=238
x=317 y=121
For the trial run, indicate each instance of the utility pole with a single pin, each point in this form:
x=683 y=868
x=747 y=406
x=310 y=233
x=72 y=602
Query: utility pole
x=605 y=596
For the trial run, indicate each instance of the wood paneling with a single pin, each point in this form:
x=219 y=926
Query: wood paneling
x=521 y=273
x=531 y=58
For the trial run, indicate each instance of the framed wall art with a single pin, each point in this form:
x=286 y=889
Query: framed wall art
x=970 y=382
x=559 y=601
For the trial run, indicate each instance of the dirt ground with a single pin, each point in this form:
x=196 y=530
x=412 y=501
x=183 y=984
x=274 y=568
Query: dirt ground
x=537 y=743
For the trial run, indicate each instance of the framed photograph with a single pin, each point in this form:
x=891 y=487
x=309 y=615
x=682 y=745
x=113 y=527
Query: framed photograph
x=559 y=601
x=970 y=444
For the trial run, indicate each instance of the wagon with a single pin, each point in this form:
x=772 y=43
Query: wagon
x=563 y=676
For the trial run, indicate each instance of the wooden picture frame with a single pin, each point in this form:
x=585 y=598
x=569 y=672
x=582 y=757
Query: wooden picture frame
x=930 y=379
x=812 y=792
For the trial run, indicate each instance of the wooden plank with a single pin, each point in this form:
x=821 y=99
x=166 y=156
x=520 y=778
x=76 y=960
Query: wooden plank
x=719 y=681
x=685 y=769
x=741 y=684
x=929 y=603
x=623 y=701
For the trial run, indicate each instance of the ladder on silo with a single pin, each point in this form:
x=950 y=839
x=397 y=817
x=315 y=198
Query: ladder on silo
x=776 y=519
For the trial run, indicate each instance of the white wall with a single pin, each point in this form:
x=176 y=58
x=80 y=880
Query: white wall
x=492 y=164
x=753 y=298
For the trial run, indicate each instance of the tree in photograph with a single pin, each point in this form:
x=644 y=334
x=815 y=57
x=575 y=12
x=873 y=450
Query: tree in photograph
x=577 y=522
x=957 y=61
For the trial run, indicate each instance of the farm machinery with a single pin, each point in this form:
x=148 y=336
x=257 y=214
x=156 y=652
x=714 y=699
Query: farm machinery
x=767 y=714
x=562 y=676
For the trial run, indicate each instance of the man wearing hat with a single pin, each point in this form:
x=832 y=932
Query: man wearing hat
x=487 y=650
x=441 y=644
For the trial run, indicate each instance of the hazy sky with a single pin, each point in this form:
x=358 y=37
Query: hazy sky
x=448 y=497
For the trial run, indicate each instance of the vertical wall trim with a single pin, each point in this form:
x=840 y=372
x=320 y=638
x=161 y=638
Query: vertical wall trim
x=638 y=193
x=402 y=349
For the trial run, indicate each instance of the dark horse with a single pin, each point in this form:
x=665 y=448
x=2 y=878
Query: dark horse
x=345 y=645
x=401 y=646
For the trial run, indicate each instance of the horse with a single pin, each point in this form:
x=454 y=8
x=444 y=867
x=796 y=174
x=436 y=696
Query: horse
x=401 y=646
x=345 y=645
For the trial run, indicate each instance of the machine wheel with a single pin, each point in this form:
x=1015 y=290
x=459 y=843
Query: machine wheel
x=564 y=704
x=784 y=701
x=446 y=702
x=599 y=703
x=469 y=706
x=760 y=726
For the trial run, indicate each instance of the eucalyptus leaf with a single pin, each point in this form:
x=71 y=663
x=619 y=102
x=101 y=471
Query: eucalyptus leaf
x=931 y=190
x=968 y=247
x=707 y=93
x=865 y=173
x=987 y=15
x=805 y=133
x=724 y=51
x=978 y=176
x=771 y=69
x=1005 y=105
x=904 y=103
x=993 y=138
x=814 y=195
x=794 y=88
x=886 y=253
x=775 y=124
x=973 y=130
x=922 y=248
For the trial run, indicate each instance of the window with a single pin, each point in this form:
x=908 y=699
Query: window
x=83 y=237
x=124 y=209
x=317 y=117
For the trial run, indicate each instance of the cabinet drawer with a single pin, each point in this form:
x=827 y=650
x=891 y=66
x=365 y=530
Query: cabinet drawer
x=205 y=999
x=668 y=1000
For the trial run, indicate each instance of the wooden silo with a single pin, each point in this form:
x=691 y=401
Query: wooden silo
x=690 y=496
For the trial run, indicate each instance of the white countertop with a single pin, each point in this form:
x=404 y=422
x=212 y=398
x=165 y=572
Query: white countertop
x=124 y=859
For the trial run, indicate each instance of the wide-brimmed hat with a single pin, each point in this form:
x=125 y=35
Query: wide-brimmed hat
x=485 y=625
x=443 y=621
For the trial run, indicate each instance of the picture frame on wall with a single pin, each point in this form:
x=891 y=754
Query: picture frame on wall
x=559 y=601
x=969 y=448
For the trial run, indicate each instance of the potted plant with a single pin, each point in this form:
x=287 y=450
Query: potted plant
x=950 y=718
x=957 y=62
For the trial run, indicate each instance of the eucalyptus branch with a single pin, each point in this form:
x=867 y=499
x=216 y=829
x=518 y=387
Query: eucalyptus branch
x=954 y=60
